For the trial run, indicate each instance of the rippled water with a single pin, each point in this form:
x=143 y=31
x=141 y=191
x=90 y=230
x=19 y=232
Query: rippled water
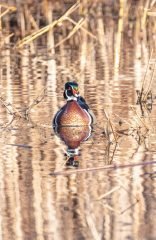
x=40 y=197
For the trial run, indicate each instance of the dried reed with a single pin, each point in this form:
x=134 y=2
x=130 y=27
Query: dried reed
x=74 y=30
x=45 y=29
x=7 y=10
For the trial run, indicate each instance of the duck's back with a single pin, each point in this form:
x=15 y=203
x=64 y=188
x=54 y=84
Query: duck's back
x=72 y=114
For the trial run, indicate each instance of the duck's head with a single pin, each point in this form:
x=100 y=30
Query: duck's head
x=71 y=91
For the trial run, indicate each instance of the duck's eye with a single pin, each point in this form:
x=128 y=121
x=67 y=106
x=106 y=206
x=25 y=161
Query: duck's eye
x=69 y=88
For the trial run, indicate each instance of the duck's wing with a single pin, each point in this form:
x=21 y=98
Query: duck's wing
x=85 y=106
x=83 y=103
x=92 y=115
x=54 y=122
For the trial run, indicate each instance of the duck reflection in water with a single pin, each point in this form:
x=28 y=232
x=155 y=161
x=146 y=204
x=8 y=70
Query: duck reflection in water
x=73 y=121
x=72 y=137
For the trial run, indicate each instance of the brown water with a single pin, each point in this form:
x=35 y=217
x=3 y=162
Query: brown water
x=106 y=204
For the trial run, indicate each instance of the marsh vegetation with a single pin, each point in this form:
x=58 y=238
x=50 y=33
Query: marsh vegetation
x=109 y=48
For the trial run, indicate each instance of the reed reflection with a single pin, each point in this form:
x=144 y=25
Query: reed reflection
x=72 y=137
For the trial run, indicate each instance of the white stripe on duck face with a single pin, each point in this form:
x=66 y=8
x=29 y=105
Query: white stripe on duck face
x=69 y=98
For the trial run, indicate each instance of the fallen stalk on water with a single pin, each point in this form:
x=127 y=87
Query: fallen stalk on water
x=109 y=167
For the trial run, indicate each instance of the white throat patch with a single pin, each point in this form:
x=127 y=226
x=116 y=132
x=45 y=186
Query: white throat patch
x=71 y=98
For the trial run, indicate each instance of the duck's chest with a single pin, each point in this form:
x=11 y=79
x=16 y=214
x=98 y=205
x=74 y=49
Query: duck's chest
x=72 y=114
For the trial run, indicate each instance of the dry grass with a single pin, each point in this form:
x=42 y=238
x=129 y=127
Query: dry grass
x=45 y=29
x=5 y=9
x=28 y=21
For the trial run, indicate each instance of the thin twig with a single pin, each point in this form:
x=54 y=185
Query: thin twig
x=13 y=111
x=150 y=83
x=36 y=101
x=75 y=29
x=143 y=83
x=108 y=193
x=84 y=29
x=114 y=134
x=129 y=207
x=134 y=110
x=5 y=126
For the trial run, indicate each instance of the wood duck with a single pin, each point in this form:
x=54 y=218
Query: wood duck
x=75 y=112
